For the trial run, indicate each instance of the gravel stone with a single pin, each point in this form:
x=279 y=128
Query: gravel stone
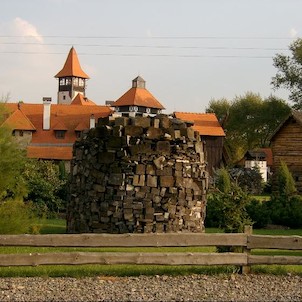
x=155 y=288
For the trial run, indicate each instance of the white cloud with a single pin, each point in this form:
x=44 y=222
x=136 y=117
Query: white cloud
x=24 y=28
x=293 y=33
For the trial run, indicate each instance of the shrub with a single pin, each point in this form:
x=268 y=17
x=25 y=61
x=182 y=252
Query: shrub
x=226 y=207
x=16 y=217
x=285 y=180
x=286 y=211
x=46 y=187
x=249 y=179
x=259 y=213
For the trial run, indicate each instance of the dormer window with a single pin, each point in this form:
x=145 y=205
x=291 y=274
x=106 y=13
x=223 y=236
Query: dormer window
x=60 y=134
x=78 y=134
x=17 y=133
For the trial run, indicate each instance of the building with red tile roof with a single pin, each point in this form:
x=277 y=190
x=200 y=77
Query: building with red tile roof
x=66 y=124
x=212 y=135
x=48 y=131
x=206 y=124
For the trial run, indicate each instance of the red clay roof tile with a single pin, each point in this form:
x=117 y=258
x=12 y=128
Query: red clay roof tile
x=69 y=117
x=138 y=97
x=18 y=121
x=205 y=123
x=80 y=99
x=58 y=153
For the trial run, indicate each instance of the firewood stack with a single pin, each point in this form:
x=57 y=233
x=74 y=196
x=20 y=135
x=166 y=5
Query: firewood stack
x=138 y=175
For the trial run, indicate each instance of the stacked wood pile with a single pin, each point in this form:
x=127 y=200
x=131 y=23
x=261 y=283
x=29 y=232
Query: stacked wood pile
x=138 y=175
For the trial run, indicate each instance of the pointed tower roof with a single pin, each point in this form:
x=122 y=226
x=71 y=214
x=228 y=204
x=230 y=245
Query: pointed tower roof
x=72 y=67
x=138 y=95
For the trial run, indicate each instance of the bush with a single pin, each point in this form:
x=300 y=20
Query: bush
x=16 y=217
x=46 y=187
x=286 y=211
x=226 y=207
x=285 y=180
x=250 y=180
x=259 y=213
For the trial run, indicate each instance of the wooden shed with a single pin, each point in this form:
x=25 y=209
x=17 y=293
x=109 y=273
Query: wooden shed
x=286 y=144
x=212 y=135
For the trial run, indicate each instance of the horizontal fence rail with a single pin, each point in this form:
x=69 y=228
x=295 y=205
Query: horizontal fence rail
x=246 y=241
x=125 y=240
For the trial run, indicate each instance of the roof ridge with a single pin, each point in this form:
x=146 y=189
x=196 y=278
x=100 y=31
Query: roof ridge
x=199 y=113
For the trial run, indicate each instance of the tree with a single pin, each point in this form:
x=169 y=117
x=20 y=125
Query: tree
x=289 y=74
x=46 y=186
x=12 y=162
x=221 y=108
x=249 y=121
x=285 y=181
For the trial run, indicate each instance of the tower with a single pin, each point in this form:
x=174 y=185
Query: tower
x=137 y=101
x=72 y=79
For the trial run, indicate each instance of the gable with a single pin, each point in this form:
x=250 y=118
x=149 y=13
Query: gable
x=291 y=127
x=17 y=120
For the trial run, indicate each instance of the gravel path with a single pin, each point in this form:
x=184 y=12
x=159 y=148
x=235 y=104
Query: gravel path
x=155 y=288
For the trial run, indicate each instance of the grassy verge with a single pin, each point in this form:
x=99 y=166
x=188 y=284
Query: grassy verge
x=80 y=271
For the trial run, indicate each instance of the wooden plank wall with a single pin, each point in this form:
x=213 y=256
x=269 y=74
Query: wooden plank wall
x=213 y=150
x=287 y=146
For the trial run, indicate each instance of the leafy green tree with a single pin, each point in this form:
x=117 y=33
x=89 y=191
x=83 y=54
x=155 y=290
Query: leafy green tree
x=248 y=121
x=12 y=162
x=46 y=187
x=221 y=108
x=273 y=111
x=289 y=74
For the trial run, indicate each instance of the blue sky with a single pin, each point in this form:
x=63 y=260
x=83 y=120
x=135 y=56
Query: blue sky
x=188 y=51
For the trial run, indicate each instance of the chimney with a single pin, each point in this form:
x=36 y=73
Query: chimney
x=92 y=121
x=46 y=113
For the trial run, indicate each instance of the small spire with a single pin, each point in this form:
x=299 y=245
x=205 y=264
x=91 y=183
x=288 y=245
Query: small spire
x=138 y=82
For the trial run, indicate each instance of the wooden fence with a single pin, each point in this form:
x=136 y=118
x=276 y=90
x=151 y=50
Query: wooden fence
x=247 y=241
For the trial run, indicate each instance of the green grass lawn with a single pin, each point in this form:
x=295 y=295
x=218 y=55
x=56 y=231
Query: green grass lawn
x=58 y=226
x=52 y=226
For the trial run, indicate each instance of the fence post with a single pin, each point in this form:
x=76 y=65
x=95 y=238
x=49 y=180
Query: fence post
x=248 y=230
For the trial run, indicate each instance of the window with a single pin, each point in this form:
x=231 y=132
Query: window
x=81 y=82
x=60 y=134
x=78 y=134
x=64 y=97
x=21 y=133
